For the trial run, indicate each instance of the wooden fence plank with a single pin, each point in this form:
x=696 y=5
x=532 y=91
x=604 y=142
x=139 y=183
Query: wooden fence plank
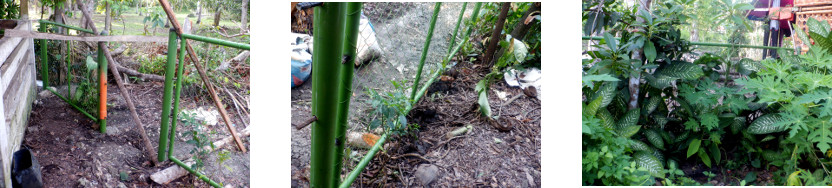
x=115 y=38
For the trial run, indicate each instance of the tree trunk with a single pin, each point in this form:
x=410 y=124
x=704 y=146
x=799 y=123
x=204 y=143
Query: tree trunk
x=244 y=16
x=217 y=15
x=108 y=25
x=59 y=18
x=520 y=30
x=198 y=12
x=24 y=8
x=635 y=76
x=495 y=34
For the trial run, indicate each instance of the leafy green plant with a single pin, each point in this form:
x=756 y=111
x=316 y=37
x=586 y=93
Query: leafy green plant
x=389 y=109
x=606 y=154
x=10 y=10
x=683 y=110
x=156 y=17
x=199 y=138
x=796 y=91
x=152 y=64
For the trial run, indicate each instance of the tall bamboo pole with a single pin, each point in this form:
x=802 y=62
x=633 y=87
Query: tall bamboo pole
x=166 y=97
x=178 y=89
x=456 y=28
x=329 y=32
x=353 y=16
x=436 y=8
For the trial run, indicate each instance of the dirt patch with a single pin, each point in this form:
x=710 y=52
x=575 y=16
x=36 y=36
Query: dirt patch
x=75 y=154
x=486 y=156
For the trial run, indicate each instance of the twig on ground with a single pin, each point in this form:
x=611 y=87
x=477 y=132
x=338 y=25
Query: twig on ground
x=411 y=155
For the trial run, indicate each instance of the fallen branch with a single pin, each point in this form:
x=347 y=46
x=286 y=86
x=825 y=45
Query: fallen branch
x=124 y=93
x=225 y=34
x=236 y=106
x=239 y=58
x=175 y=172
x=138 y=74
x=119 y=50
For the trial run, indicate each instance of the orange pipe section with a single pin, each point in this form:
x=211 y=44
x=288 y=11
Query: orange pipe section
x=102 y=94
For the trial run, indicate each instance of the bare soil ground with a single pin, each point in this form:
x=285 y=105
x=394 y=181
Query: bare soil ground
x=485 y=156
x=73 y=153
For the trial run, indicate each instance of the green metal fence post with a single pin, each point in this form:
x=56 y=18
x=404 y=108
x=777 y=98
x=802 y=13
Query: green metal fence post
x=329 y=36
x=169 y=68
x=44 y=58
x=456 y=29
x=102 y=86
x=436 y=8
x=178 y=90
x=353 y=15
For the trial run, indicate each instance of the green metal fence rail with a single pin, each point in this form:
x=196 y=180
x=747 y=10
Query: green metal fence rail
x=44 y=71
x=47 y=22
x=171 y=95
x=217 y=41
x=710 y=44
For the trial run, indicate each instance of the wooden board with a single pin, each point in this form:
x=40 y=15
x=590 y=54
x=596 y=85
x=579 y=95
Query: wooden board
x=14 y=33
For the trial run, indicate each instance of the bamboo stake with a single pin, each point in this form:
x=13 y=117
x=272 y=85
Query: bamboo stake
x=124 y=93
x=328 y=31
x=425 y=48
x=201 y=71
x=353 y=16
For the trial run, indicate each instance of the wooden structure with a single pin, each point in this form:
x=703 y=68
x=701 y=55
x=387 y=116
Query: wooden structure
x=17 y=86
x=820 y=10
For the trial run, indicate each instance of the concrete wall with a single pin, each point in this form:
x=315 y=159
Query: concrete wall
x=18 y=91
